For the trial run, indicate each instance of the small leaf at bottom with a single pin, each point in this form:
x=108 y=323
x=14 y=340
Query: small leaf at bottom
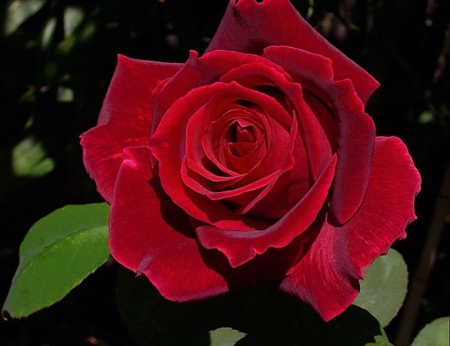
x=384 y=288
x=225 y=336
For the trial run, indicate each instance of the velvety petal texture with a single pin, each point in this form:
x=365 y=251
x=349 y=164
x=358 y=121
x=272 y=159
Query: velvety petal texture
x=124 y=119
x=254 y=163
x=249 y=26
x=327 y=276
x=149 y=234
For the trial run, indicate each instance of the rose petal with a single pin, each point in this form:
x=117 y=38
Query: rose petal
x=286 y=166
x=289 y=188
x=242 y=141
x=149 y=234
x=210 y=122
x=272 y=164
x=103 y=151
x=249 y=26
x=327 y=276
x=201 y=71
x=124 y=120
x=168 y=146
x=129 y=94
x=317 y=144
x=240 y=246
x=270 y=267
x=256 y=75
x=355 y=130
x=355 y=146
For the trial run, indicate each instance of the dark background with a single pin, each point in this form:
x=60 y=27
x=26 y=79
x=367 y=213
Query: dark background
x=53 y=80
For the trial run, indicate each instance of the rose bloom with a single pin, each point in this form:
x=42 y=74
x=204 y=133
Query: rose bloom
x=254 y=163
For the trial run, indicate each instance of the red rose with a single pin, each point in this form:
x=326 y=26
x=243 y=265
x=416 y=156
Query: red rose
x=254 y=163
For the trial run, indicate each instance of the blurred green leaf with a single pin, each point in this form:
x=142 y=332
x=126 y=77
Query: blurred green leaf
x=18 y=11
x=384 y=288
x=58 y=252
x=435 y=333
x=64 y=94
x=48 y=33
x=225 y=336
x=30 y=160
x=73 y=16
x=66 y=46
x=426 y=117
x=379 y=341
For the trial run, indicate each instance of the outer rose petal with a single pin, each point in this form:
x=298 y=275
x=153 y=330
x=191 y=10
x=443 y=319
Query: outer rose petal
x=249 y=27
x=149 y=234
x=102 y=152
x=355 y=131
x=129 y=95
x=327 y=276
x=125 y=119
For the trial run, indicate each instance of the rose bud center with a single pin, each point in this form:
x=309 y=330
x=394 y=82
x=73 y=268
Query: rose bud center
x=242 y=138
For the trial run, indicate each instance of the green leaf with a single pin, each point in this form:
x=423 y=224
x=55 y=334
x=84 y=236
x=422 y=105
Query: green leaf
x=18 y=11
x=225 y=336
x=58 y=252
x=434 y=334
x=30 y=160
x=384 y=288
x=380 y=341
x=73 y=17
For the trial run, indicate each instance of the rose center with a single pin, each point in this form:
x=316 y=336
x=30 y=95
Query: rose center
x=241 y=137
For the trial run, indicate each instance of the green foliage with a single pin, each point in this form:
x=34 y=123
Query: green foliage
x=30 y=159
x=384 y=288
x=434 y=334
x=380 y=341
x=225 y=336
x=265 y=315
x=58 y=252
x=18 y=12
x=27 y=160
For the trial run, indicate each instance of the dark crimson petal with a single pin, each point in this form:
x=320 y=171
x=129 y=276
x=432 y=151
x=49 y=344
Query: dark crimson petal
x=270 y=267
x=218 y=195
x=168 y=145
x=249 y=26
x=198 y=72
x=103 y=151
x=277 y=160
x=242 y=154
x=327 y=276
x=125 y=119
x=315 y=141
x=129 y=95
x=241 y=246
x=149 y=234
x=355 y=147
x=289 y=188
x=206 y=156
x=324 y=115
x=287 y=165
x=356 y=130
